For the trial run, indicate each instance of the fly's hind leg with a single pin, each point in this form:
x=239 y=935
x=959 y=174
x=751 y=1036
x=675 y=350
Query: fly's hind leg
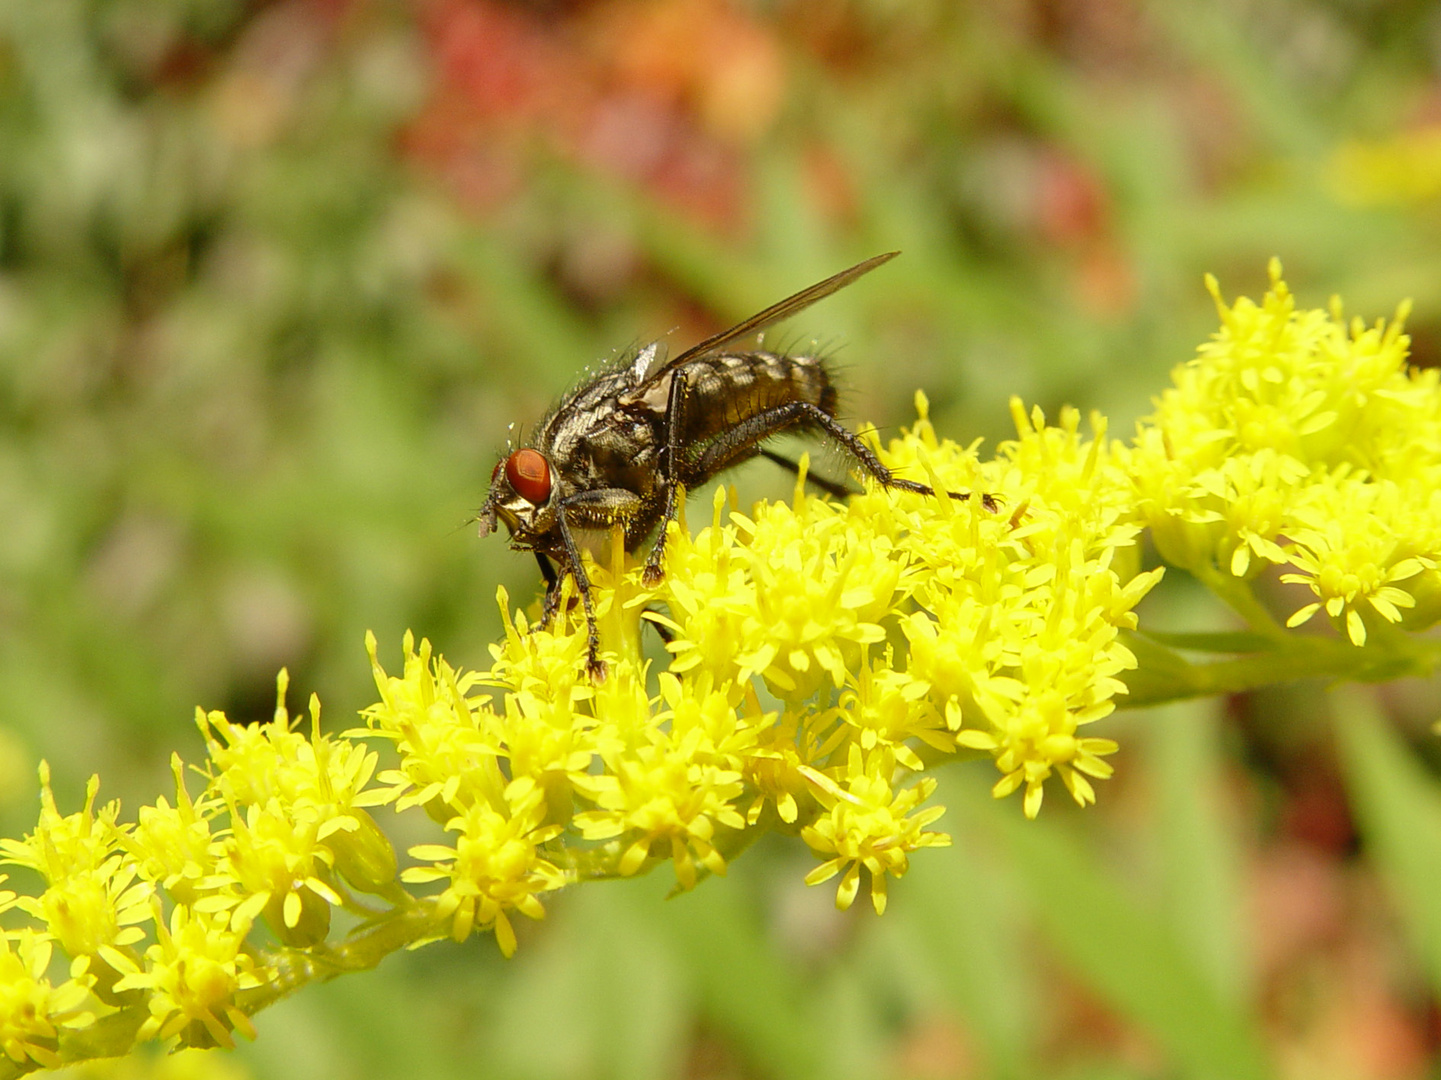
x=830 y=487
x=741 y=439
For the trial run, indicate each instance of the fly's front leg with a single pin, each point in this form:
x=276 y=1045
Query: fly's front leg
x=741 y=440
x=596 y=510
x=674 y=423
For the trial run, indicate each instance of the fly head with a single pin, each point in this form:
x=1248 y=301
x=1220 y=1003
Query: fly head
x=523 y=494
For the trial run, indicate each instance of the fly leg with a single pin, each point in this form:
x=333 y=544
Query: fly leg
x=675 y=424
x=552 y=591
x=830 y=487
x=674 y=416
x=741 y=440
x=594 y=510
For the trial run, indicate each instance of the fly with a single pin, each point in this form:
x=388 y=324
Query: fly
x=619 y=448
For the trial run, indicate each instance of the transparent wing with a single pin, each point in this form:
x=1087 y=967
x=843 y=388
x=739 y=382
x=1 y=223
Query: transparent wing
x=776 y=312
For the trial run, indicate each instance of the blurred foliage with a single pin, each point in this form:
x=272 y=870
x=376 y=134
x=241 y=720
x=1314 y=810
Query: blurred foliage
x=276 y=277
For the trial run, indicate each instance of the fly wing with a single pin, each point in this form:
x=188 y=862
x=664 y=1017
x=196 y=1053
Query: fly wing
x=791 y=305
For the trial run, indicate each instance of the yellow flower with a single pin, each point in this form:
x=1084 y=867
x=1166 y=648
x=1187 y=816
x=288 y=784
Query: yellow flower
x=32 y=1010
x=1348 y=551
x=886 y=707
x=495 y=867
x=868 y=824
x=194 y=973
x=171 y=845
x=667 y=794
x=1299 y=440
x=279 y=867
x=708 y=594
x=772 y=769
x=296 y=822
x=446 y=759
x=792 y=596
x=275 y=763
x=1015 y=643
x=92 y=899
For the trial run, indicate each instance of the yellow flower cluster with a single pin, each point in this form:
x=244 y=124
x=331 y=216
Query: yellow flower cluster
x=898 y=624
x=450 y=746
x=1299 y=440
x=822 y=657
x=882 y=631
x=278 y=832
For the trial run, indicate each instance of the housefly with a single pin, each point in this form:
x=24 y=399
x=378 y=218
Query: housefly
x=619 y=448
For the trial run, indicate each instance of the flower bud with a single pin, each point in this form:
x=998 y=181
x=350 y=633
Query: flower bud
x=299 y=917
x=363 y=854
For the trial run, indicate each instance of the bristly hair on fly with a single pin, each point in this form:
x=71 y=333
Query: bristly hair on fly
x=620 y=446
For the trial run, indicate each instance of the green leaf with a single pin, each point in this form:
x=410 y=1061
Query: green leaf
x=960 y=904
x=602 y=995
x=742 y=980
x=1128 y=955
x=1398 y=810
x=1197 y=856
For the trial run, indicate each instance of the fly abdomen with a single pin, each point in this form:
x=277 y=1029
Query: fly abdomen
x=725 y=391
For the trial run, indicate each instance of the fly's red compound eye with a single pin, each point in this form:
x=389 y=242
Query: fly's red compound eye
x=529 y=474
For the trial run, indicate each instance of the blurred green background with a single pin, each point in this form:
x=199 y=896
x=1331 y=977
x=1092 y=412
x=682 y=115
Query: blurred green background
x=275 y=277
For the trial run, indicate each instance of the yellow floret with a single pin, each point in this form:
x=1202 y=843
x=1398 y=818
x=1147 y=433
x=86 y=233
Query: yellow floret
x=1300 y=440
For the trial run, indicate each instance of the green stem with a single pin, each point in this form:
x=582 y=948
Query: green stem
x=114 y=1035
x=1238 y=595
x=109 y=1036
x=1163 y=674
x=362 y=950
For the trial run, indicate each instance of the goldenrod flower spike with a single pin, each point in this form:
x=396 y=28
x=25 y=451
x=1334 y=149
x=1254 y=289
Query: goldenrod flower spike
x=823 y=657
